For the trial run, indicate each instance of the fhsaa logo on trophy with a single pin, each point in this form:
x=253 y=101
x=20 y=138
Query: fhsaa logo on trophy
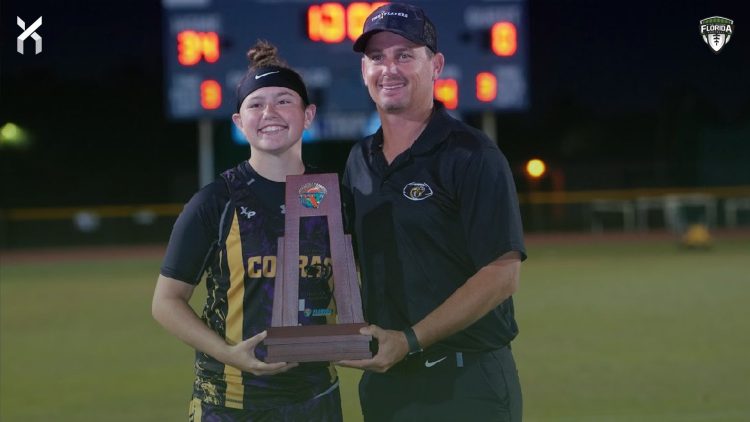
x=716 y=32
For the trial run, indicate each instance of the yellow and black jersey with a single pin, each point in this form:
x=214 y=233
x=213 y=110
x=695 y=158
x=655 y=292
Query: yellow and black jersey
x=229 y=231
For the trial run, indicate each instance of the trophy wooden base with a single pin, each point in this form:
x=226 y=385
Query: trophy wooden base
x=317 y=343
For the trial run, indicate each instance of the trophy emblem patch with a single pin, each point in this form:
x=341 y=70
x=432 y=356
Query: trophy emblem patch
x=312 y=194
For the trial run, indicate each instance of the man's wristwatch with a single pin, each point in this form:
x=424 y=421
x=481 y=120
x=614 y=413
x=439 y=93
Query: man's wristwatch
x=411 y=339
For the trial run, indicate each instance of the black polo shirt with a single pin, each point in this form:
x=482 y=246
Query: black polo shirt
x=427 y=222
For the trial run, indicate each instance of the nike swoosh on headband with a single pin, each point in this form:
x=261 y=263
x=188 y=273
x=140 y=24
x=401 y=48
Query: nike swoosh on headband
x=266 y=74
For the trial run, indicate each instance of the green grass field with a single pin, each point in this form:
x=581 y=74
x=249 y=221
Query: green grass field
x=636 y=331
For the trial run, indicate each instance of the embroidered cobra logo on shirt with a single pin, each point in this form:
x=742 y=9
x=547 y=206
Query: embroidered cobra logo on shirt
x=417 y=191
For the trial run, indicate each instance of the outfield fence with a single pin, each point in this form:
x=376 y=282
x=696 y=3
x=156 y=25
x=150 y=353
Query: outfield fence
x=672 y=209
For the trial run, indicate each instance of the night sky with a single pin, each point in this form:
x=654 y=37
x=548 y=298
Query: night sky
x=623 y=94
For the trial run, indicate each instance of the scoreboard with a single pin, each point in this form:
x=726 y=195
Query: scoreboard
x=205 y=43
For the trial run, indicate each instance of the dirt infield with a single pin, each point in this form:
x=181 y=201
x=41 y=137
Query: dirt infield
x=77 y=253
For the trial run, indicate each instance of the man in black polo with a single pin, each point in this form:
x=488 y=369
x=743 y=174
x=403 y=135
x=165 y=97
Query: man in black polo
x=433 y=207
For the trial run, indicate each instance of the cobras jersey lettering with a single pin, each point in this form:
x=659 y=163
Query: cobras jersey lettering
x=265 y=266
x=261 y=266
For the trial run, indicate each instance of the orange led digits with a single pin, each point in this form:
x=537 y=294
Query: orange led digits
x=210 y=46
x=314 y=17
x=504 y=39
x=356 y=14
x=193 y=45
x=210 y=95
x=332 y=22
x=188 y=48
x=326 y=22
x=446 y=91
x=486 y=87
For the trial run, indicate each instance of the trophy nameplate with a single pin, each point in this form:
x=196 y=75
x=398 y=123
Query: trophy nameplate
x=313 y=195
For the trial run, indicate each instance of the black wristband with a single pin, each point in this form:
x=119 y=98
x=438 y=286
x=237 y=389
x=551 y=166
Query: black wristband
x=411 y=339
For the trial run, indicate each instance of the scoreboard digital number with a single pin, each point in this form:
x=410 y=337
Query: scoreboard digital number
x=205 y=41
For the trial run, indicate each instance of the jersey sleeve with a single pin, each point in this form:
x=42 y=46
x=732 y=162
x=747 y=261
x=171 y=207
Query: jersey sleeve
x=195 y=233
x=489 y=207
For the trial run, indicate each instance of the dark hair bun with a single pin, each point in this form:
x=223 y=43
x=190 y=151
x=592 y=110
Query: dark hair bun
x=264 y=54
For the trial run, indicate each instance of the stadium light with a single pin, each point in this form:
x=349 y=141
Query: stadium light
x=13 y=136
x=536 y=168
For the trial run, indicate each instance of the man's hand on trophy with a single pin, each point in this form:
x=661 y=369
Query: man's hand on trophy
x=392 y=348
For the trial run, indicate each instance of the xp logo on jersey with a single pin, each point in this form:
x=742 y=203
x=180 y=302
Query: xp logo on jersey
x=417 y=191
x=716 y=32
x=312 y=194
x=247 y=213
x=29 y=32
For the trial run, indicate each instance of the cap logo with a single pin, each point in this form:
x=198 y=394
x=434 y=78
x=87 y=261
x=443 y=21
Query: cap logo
x=381 y=15
x=405 y=20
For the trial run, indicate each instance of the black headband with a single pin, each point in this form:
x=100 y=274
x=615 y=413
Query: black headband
x=271 y=76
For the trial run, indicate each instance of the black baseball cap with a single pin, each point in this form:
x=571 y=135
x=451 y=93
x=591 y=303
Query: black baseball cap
x=403 y=19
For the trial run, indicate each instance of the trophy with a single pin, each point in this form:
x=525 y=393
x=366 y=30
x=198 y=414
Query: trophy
x=315 y=195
